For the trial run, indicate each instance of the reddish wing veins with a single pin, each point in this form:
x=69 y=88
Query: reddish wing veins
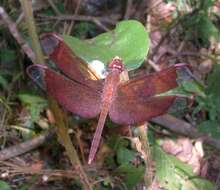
x=135 y=101
x=78 y=93
x=70 y=64
x=75 y=97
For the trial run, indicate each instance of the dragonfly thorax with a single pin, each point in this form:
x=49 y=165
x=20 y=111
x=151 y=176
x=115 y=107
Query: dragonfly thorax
x=116 y=64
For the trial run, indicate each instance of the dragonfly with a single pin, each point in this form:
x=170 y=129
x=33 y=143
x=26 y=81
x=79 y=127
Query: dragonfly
x=78 y=89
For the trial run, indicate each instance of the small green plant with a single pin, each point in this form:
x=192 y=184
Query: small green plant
x=196 y=20
x=211 y=104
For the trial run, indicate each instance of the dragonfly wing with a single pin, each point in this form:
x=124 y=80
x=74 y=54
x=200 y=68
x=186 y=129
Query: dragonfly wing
x=137 y=110
x=65 y=59
x=74 y=96
x=136 y=102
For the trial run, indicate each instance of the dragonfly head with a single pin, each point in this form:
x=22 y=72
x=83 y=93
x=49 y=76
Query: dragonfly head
x=116 y=64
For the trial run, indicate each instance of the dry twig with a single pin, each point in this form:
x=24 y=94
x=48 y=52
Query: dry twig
x=24 y=147
x=128 y=9
x=28 y=14
x=28 y=146
x=107 y=20
x=14 y=32
x=14 y=169
x=75 y=13
x=183 y=128
x=53 y=6
x=143 y=136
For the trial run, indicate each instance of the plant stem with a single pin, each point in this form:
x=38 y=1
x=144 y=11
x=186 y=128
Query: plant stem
x=62 y=131
x=14 y=32
x=64 y=138
x=28 y=13
x=145 y=149
x=143 y=136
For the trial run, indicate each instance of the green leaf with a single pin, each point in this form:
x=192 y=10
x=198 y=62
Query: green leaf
x=131 y=174
x=210 y=127
x=82 y=29
x=4 y=185
x=50 y=12
x=30 y=99
x=61 y=7
x=206 y=29
x=7 y=55
x=115 y=142
x=35 y=104
x=129 y=40
x=199 y=27
x=214 y=82
x=3 y=82
x=202 y=184
x=193 y=87
x=174 y=174
x=211 y=104
x=125 y=155
x=186 y=88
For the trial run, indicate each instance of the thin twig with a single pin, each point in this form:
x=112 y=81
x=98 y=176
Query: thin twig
x=28 y=13
x=155 y=66
x=128 y=9
x=170 y=122
x=195 y=54
x=142 y=133
x=107 y=20
x=62 y=132
x=98 y=23
x=26 y=49
x=183 y=128
x=53 y=6
x=143 y=136
x=14 y=169
x=14 y=32
x=173 y=25
x=31 y=55
x=64 y=138
x=24 y=147
x=152 y=4
x=75 y=13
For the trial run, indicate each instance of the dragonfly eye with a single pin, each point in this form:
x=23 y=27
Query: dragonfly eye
x=117 y=63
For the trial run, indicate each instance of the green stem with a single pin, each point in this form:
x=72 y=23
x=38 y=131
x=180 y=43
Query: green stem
x=143 y=136
x=28 y=13
x=62 y=131
x=64 y=138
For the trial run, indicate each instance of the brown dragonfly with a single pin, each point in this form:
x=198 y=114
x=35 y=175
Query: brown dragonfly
x=79 y=90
